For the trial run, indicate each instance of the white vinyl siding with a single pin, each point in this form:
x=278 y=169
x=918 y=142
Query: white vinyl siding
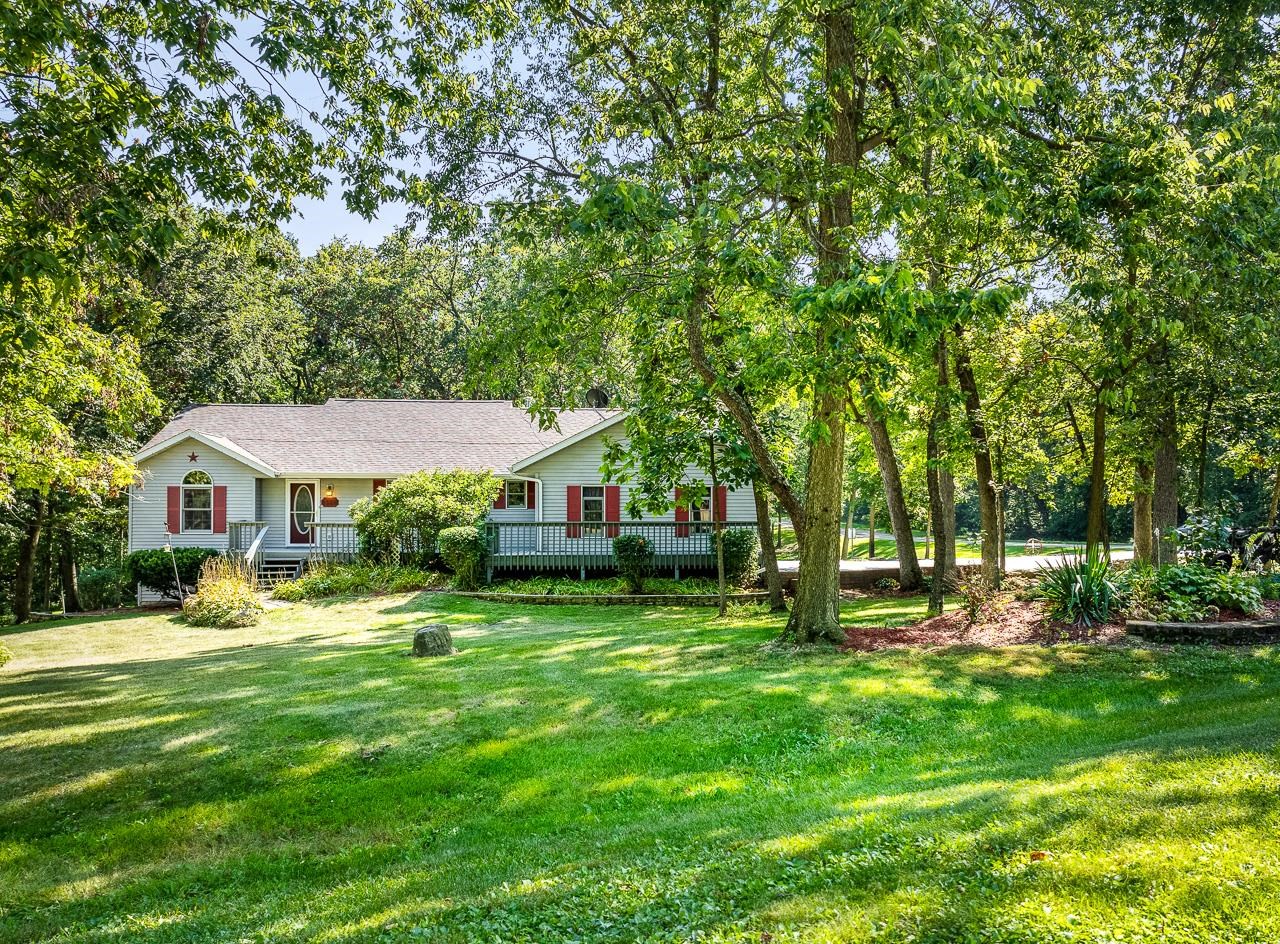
x=273 y=502
x=579 y=464
x=148 y=501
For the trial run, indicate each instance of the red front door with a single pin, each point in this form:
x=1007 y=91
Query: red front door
x=302 y=512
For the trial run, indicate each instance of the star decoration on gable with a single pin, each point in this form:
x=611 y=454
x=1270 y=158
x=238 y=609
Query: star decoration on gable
x=192 y=457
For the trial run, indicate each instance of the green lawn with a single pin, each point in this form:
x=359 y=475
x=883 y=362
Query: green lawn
x=617 y=774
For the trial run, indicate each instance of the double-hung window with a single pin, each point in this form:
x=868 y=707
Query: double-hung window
x=701 y=513
x=593 y=508
x=197 y=501
x=517 y=494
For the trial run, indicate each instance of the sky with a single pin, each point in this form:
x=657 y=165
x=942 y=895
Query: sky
x=317 y=222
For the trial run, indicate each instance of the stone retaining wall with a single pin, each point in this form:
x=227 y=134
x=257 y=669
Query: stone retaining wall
x=619 y=599
x=1241 y=631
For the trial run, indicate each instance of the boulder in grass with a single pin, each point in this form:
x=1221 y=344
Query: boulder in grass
x=433 y=640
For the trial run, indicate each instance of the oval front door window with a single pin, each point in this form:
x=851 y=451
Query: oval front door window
x=303 y=512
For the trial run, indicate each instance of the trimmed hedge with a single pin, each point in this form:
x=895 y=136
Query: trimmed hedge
x=741 y=557
x=153 y=568
x=634 y=556
x=464 y=551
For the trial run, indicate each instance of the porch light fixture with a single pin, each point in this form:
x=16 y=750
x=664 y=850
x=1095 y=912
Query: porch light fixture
x=329 y=499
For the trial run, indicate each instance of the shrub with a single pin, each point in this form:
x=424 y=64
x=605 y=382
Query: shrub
x=1238 y=590
x=330 y=580
x=5 y=655
x=977 y=594
x=406 y=517
x=634 y=555
x=225 y=597
x=1201 y=588
x=1082 y=591
x=741 y=556
x=1269 y=586
x=102 y=587
x=154 y=568
x=464 y=551
x=1206 y=538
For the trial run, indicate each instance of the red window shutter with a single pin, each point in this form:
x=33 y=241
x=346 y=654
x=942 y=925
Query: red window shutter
x=219 y=509
x=530 y=490
x=573 y=510
x=612 y=508
x=378 y=485
x=174 y=523
x=722 y=503
x=501 y=500
x=682 y=514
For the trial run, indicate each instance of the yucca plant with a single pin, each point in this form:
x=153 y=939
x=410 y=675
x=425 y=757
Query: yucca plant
x=1080 y=590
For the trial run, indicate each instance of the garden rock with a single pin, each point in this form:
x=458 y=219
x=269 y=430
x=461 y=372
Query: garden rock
x=433 y=640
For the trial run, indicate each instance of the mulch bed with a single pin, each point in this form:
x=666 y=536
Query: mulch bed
x=1271 y=610
x=1014 y=623
x=1011 y=623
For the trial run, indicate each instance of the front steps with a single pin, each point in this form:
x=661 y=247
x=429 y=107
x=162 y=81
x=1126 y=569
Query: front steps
x=278 y=570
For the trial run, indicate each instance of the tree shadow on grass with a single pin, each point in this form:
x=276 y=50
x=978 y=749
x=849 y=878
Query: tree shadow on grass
x=603 y=779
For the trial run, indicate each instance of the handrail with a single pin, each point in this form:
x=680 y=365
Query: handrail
x=252 y=552
x=588 y=545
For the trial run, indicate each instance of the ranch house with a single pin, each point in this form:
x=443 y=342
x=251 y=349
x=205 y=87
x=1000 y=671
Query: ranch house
x=275 y=483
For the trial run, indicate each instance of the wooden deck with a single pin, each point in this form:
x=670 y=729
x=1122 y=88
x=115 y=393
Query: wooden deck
x=554 y=546
x=571 y=546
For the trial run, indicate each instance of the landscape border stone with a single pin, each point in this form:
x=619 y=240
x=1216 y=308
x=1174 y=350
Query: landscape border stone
x=618 y=599
x=1239 y=631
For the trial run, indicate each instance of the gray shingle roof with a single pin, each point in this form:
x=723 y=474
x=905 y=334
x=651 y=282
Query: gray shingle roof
x=381 y=437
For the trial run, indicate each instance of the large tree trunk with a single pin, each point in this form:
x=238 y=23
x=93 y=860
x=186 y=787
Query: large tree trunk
x=1143 y=546
x=1002 y=529
x=1275 y=501
x=815 y=612
x=910 y=576
x=28 y=545
x=1097 y=521
x=947 y=482
x=1204 y=447
x=941 y=486
x=69 y=574
x=988 y=511
x=942 y=563
x=768 y=554
x=1164 y=496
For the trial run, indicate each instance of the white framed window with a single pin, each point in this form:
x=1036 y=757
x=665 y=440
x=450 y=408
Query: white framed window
x=517 y=494
x=701 y=514
x=593 y=508
x=197 y=501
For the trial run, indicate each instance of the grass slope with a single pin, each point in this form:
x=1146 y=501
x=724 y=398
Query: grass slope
x=582 y=774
